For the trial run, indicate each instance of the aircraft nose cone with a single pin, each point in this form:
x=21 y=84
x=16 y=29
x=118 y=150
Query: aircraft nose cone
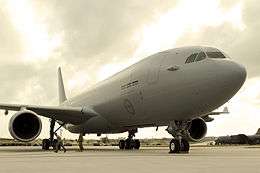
x=238 y=75
x=228 y=78
x=231 y=77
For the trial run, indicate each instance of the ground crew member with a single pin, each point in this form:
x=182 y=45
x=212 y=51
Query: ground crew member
x=59 y=144
x=80 y=142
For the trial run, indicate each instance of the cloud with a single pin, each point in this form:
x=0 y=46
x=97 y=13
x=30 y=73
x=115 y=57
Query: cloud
x=240 y=44
x=89 y=34
x=11 y=44
x=244 y=110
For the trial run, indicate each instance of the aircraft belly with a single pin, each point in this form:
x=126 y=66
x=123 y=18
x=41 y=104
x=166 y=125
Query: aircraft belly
x=94 y=125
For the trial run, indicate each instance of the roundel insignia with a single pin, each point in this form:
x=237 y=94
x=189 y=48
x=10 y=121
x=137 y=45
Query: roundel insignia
x=129 y=107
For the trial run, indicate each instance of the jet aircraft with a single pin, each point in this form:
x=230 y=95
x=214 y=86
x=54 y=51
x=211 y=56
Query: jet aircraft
x=178 y=88
x=239 y=139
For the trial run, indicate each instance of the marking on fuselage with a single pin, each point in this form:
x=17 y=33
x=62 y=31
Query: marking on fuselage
x=129 y=107
x=130 y=84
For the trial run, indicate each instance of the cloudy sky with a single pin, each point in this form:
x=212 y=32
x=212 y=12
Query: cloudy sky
x=94 y=39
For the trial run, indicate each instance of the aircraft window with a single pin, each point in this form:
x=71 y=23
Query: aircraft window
x=215 y=54
x=191 y=58
x=201 y=56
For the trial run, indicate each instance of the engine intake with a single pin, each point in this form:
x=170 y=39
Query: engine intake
x=25 y=126
x=197 y=130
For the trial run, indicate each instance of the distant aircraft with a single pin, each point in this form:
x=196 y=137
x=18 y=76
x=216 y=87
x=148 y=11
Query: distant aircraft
x=178 y=88
x=239 y=139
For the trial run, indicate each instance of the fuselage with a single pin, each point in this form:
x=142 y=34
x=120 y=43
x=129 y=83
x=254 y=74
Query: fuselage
x=177 y=84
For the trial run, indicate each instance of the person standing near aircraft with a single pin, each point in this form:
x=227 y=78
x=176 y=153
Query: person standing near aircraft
x=59 y=144
x=80 y=142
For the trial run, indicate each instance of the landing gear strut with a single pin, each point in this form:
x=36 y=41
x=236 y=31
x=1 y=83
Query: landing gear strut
x=46 y=143
x=130 y=143
x=51 y=142
x=178 y=129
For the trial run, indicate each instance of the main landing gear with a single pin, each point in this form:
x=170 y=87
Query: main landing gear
x=178 y=129
x=51 y=142
x=130 y=143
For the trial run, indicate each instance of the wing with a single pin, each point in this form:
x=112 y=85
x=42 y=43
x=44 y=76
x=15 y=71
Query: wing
x=207 y=117
x=73 y=115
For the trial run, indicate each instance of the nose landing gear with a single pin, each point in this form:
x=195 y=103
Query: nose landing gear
x=179 y=147
x=130 y=143
x=178 y=129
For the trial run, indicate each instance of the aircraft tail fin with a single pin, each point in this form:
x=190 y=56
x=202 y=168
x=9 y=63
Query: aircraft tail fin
x=62 y=94
x=258 y=132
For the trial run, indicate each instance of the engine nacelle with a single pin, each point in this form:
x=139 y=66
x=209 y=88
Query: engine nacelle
x=25 y=126
x=197 y=130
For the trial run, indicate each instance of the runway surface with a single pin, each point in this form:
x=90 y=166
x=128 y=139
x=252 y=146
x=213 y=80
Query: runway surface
x=109 y=159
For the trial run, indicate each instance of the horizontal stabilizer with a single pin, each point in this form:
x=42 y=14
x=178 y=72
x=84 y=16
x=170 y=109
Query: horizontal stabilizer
x=207 y=118
x=225 y=110
x=258 y=132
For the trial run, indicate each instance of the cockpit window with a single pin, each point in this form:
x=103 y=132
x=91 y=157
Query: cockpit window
x=201 y=56
x=215 y=54
x=191 y=58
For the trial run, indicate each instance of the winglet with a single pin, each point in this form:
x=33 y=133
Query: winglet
x=62 y=94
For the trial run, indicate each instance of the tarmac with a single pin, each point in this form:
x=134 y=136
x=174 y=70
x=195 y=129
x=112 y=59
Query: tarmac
x=148 y=160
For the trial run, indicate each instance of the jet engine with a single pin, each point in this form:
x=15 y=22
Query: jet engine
x=25 y=126
x=197 y=130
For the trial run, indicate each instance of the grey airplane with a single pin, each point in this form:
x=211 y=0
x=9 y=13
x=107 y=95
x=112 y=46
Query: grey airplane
x=239 y=139
x=178 y=88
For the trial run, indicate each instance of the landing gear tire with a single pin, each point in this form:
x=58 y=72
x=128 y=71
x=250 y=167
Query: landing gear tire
x=137 y=144
x=46 y=144
x=175 y=146
x=122 y=144
x=129 y=144
x=185 y=146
